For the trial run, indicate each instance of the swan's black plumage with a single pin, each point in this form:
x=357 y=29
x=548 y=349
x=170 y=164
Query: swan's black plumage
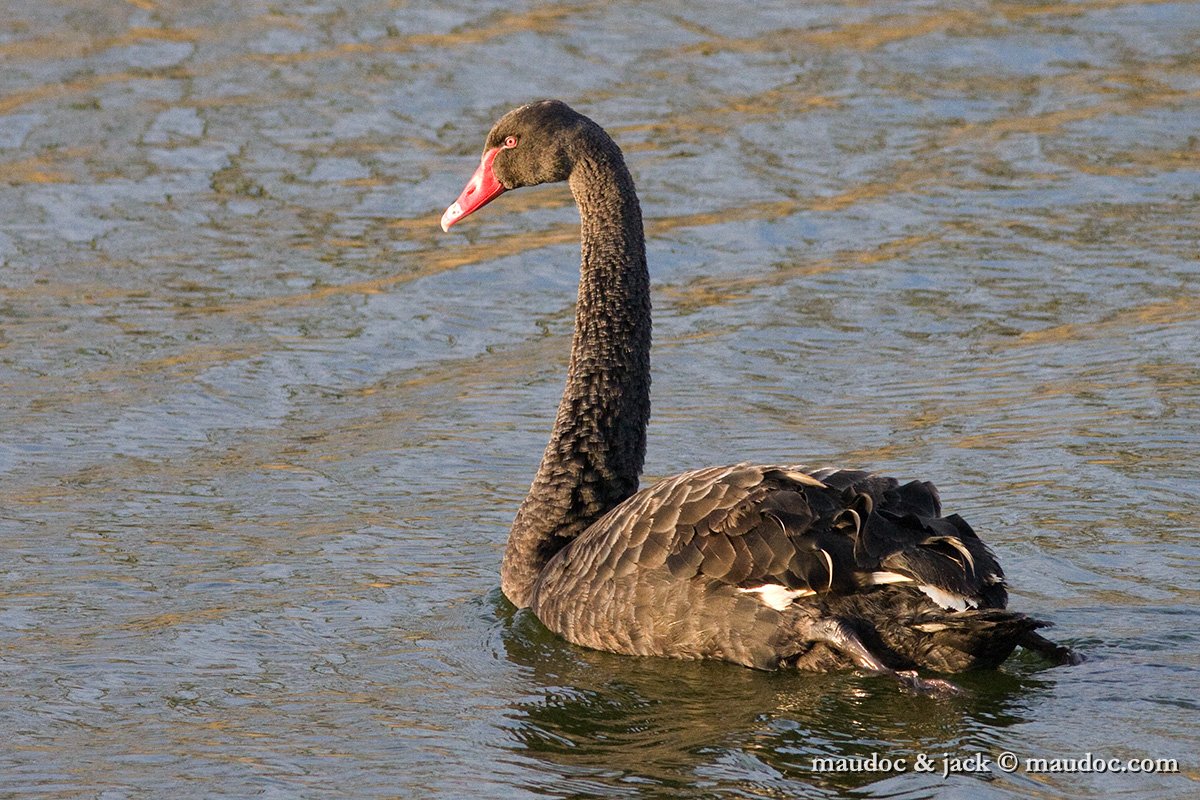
x=766 y=566
x=678 y=570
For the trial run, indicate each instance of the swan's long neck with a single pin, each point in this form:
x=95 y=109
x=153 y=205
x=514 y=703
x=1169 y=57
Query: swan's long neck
x=595 y=452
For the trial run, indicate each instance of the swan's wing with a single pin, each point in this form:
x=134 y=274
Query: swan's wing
x=783 y=529
x=786 y=532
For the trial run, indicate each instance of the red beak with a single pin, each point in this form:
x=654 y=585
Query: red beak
x=482 y=189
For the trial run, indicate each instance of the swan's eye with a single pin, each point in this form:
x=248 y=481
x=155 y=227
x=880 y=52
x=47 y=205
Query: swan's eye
x=511 y=141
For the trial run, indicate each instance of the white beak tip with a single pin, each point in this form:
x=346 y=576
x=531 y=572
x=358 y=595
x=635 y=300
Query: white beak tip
x=451 y=216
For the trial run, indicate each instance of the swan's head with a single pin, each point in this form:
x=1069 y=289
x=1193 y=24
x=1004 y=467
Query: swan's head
x=529 y=145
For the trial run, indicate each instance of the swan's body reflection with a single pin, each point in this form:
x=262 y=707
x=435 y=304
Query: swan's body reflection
x=600 y=719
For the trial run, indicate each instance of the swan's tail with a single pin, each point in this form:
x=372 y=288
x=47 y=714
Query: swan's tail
x=963 y=640
x=901 y=628
x=1058 y=653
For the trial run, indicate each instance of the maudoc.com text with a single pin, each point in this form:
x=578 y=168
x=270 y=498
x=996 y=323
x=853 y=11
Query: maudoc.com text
x=947 y=764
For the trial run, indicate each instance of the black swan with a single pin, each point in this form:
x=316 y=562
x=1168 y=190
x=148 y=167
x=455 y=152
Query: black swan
x=767 y=566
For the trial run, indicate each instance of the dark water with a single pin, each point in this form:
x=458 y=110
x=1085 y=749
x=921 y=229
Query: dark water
x=265 y=425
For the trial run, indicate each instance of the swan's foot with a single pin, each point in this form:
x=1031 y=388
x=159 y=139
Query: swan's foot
x=934 y=687
x=1057 y=653
x=838 y=635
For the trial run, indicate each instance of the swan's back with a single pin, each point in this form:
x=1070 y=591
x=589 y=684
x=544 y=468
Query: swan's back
x=738 y=562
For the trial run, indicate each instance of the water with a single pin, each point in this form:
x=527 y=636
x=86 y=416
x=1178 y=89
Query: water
x=265 y=425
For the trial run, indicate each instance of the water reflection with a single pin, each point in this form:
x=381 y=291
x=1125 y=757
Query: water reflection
x=598 y=718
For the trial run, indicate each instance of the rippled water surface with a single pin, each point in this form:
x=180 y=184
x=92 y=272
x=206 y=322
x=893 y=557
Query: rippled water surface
x=264 y=425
